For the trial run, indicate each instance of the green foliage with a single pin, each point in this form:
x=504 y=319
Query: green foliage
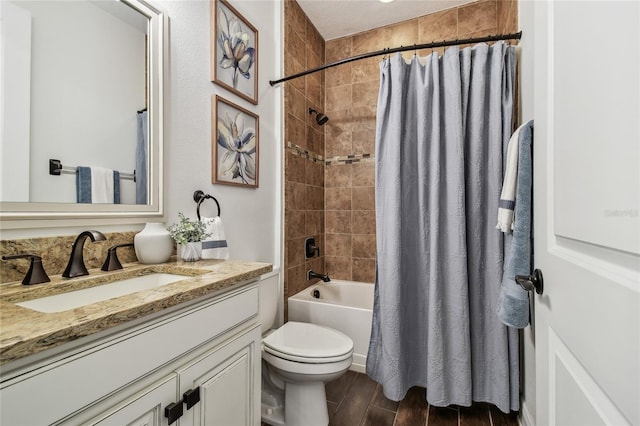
x=188 y=231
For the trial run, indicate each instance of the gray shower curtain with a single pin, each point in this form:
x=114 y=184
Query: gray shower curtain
x=442 y=131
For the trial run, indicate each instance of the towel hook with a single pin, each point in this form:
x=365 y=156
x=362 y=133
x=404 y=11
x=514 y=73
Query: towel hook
x=199 y=197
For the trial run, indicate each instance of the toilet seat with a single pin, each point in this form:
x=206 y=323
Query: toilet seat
x=308 y=343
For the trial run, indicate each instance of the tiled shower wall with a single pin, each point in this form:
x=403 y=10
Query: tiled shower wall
x=329 y=170
x=304 y=149
x=352 y=91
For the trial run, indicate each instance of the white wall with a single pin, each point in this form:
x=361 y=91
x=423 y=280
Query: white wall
x=251 y=216
x=526 y=25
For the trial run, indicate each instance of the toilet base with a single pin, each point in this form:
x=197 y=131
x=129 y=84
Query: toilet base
x=305 y=405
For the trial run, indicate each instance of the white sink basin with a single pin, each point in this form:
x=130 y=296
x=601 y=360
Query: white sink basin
x=75 y=299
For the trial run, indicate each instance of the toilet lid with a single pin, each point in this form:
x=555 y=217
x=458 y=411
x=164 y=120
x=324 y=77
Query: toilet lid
x=301 y=339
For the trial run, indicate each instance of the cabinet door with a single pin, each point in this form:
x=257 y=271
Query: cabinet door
x=229 y=382
x=144 y=408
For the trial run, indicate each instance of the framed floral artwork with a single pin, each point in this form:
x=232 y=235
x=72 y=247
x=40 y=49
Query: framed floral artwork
x=235 y=144
x=234 y=42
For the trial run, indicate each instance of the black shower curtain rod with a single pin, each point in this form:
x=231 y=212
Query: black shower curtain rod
x=432 y=45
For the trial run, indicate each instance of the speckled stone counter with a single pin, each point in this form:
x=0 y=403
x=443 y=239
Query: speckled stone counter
x=25 y=332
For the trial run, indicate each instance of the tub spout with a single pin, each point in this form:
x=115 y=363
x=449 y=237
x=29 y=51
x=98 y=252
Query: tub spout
x=311 y=275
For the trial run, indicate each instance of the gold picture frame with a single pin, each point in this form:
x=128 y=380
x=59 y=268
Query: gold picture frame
x=234 y=56
x=235 y=143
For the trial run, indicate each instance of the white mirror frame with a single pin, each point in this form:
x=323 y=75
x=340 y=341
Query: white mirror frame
x=39 y=215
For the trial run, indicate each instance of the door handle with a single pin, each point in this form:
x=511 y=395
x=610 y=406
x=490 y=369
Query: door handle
x=531 y=282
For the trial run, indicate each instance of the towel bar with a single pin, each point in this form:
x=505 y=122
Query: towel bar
x=199 y=197
x=56 y=168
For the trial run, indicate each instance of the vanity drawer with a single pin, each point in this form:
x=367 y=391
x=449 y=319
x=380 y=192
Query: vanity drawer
x=102 y=367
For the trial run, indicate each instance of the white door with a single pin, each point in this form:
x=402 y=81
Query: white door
x=586 y=207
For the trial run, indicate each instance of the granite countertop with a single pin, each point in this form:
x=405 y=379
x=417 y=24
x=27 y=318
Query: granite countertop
x=25 y=332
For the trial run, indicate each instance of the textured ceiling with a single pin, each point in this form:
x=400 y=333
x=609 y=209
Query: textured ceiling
x=339 y=18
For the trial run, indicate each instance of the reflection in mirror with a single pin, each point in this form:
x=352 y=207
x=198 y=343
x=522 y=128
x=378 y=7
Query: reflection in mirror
x=85 y=83
x=82 y=84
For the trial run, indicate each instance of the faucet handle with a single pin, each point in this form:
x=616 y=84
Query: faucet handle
x=112 y=262
x=36 y=273
x=311 y=249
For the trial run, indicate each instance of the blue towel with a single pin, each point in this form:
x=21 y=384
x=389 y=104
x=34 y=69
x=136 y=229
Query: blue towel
x=83 y=185
x=513 y=302
x=141 y=158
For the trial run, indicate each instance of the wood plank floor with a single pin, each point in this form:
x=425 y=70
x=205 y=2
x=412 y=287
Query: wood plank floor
x=354 y=399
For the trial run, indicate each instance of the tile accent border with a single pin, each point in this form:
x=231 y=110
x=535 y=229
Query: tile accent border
x=301 y=152
x=337 y=160
x=350 y=159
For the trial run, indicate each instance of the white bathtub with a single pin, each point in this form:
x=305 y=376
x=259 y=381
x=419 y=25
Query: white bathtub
x=346 y=306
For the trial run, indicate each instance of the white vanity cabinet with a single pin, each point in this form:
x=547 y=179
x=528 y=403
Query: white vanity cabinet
x=203 y=359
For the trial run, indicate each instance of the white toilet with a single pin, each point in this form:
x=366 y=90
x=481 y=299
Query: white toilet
x=297 y=359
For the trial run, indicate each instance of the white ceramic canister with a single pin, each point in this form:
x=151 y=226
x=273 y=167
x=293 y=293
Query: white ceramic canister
x=153 y=244
x=191 y=251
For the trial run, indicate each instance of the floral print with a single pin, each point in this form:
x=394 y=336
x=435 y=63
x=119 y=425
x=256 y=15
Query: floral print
x=239 y=148
x=234 y=43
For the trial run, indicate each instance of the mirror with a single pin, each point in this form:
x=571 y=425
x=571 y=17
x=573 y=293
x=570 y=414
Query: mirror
x=82 y=84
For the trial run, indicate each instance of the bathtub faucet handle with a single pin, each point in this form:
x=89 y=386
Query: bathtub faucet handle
x=310 y=248
x=311 y=275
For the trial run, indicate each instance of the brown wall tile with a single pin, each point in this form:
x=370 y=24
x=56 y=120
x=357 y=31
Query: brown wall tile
x=363 y=198
x=364 y=94
x=438 y=26
x=364 y=174
x=295 y=131
x=364 y=246
x=338 y=268
x=294 y=223
x=337 y=222
x=338 y=199
x=363 y=221
x=295 y=252
x=339 y=76
x=314 y=90
x=365 y=70
x=314 y=224
x=338 y=98
x=338 y=244
x=314 y=197
x=338 y=49
x=363 y=270
x=295 y=17
x=296 y=192
x=314 y=173
x=294 y=167
x=507 y=16
x=364 y=142
x=338 y=141
x=370 y=41
x=295 y=42
x=295 y=103
x=403 y=34
x=477 y=17
x=337 y=176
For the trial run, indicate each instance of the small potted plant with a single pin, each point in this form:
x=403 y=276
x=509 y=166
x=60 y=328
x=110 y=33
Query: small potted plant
x=188 y=234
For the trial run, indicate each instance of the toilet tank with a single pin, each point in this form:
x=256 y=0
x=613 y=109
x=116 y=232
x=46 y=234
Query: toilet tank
x=269 y=293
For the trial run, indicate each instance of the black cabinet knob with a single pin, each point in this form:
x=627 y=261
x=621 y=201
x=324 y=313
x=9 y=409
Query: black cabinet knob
x=191 y=397
x=173 y=411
